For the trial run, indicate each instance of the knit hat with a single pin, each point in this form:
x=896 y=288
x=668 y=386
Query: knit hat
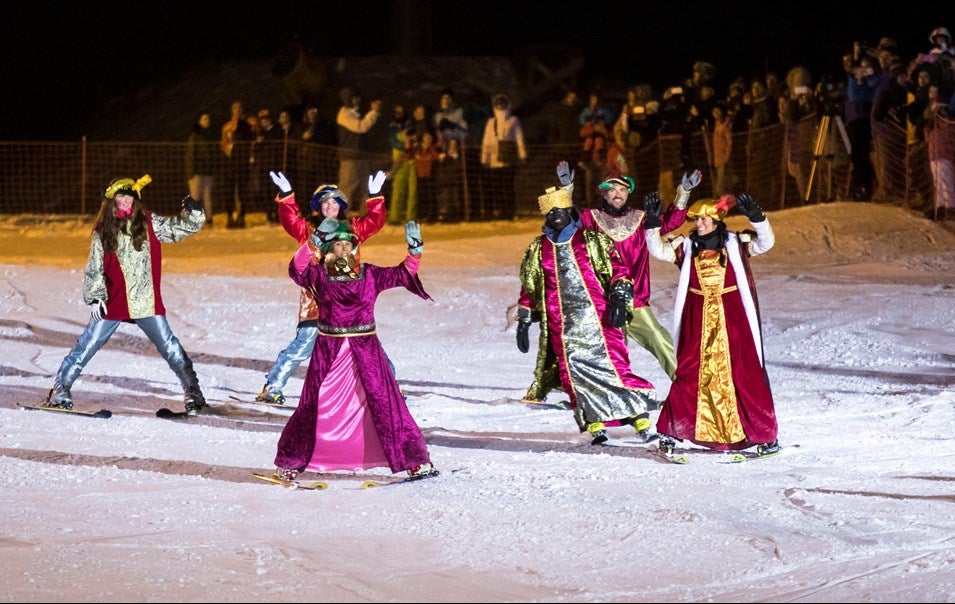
x=324 y=192
x=126 y=186
x=554 y=198
x=341 y=233
x=714 y=208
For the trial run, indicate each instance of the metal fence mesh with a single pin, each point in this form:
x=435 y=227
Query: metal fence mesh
x=68 y=177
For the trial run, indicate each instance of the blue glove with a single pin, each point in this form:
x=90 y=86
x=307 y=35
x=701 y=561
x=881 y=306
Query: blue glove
x=329 y=225
x=285 y=187
x=375 y=182
x=99 y=311
x=413 y=237
x=564 y=173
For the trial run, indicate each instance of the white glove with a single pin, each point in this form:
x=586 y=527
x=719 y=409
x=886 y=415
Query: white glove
x=691 y=180
x=99 y=311
x=281 y=182
x=375 y=182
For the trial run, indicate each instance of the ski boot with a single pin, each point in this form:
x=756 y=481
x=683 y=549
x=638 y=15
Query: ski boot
x=765 y=450
x=599 y=433
x=666 y=445
x=271 y=395
x=641 y=424
x=423 y=471
x=59 y=398
x=285 y=474
x=194 y=401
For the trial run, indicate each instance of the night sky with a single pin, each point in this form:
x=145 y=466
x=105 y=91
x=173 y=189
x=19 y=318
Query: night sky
x=64 y=59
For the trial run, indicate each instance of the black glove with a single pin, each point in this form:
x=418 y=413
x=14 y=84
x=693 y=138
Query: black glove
x=190 y=204
x=651 y=209
x=747 y=207
x=523 y=326
x=620 y=296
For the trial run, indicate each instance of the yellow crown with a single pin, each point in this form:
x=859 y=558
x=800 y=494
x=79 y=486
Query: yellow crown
x=554 y=198
x=127 y=184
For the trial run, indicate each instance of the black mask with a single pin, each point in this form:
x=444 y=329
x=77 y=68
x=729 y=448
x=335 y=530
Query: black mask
x=558 y=218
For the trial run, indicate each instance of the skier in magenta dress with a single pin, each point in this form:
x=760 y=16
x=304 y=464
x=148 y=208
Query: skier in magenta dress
x=351 y=414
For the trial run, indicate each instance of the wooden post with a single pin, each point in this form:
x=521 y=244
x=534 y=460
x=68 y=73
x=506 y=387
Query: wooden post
x=83 y=176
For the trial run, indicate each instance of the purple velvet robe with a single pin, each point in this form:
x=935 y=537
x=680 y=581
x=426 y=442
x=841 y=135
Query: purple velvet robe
x=346 y=309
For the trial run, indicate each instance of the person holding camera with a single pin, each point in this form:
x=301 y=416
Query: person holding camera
x=864 y=77
x=352 y=125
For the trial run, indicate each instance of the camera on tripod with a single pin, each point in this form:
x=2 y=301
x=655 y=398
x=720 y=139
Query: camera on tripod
x=829 y=96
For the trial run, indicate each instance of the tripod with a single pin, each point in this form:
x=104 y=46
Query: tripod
x=825 y=146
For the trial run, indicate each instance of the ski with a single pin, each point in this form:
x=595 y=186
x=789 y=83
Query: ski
x=561 y=405
x=741 y=456
x=101 y=414
x=374 y=484
x=265 y=403
x=677 y=458
x=274 y=405
x=166 y=413
x=313 y=486
x=666 y=449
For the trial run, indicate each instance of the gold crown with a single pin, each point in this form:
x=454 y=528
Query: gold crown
x=554 y=198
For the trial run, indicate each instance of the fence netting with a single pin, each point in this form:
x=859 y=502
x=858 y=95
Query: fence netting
x=775 y=165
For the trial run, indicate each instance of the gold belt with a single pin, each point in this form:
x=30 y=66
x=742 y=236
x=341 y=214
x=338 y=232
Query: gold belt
x=726 y=290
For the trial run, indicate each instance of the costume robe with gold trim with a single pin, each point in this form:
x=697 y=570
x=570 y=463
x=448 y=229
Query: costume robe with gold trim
x=567 y=282
x=721 y=396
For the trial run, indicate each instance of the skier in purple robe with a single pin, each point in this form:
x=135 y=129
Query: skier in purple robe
x=351 y=419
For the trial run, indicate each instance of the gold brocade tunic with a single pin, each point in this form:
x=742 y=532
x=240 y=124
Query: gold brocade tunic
x=717 y=418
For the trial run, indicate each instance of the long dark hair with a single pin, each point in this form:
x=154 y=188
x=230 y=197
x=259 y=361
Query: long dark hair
x=109 y=225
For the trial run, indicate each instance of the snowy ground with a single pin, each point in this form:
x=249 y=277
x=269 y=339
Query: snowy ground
x=859 y=323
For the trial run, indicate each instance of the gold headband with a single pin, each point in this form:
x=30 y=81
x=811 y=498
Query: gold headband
x=554 y=198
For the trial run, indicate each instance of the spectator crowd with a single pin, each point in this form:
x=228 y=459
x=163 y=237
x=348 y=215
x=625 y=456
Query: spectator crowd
x=881 y=97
